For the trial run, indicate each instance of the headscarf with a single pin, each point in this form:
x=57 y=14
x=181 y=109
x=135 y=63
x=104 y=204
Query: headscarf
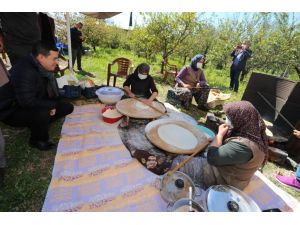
x=141 y=68
x=247 y=123
x=195 y=60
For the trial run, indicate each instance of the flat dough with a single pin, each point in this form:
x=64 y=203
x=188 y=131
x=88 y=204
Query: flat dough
x=140 y=105
x=112 y=113
x=177 y=136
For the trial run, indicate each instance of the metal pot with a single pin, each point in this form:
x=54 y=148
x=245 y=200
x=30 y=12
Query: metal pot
x=176 y=186
x=109 y=95
x=186 y=205
x=225 y=198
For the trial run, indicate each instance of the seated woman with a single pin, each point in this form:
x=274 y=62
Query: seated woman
x=190 y=82
x=140 y=84
x=237 y=151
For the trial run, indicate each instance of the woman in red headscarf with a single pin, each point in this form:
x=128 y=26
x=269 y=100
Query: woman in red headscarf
x=237 y=151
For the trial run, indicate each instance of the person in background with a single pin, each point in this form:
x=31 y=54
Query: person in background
x=240 y=55
x=291 y=181
x=238 y=150
x=191 y=82
x=21 y=30
x=32 y=100
x=141 y=85
x=76 y=43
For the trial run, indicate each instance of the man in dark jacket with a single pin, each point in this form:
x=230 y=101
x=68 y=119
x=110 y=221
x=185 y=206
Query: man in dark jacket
x=31 y=97
x=76 y=40
x=21 y=30
x=240 y=56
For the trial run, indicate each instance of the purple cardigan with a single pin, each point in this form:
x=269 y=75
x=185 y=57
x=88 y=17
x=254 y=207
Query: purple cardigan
x=184 y=71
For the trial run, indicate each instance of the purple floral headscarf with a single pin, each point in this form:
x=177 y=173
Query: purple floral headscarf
x=247 y=123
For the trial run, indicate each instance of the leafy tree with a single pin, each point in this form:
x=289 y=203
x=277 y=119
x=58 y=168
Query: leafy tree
x=166 y=31
x=94 y=30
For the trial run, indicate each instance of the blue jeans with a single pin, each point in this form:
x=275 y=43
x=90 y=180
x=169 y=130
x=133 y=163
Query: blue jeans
x=234 y=78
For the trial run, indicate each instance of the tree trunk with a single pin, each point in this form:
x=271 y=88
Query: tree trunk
x=165 y=60
x=205 y=53
x=162 y=67
x=184 y=60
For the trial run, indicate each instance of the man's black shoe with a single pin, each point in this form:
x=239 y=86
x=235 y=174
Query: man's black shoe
x=42 y=145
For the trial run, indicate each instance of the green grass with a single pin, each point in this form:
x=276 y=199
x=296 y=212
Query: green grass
x=29 y=171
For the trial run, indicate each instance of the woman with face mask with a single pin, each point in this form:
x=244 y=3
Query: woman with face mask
x=140 y=84
x=191 y=82
x=237 y=151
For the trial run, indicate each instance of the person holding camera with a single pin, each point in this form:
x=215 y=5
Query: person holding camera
x=240 y=55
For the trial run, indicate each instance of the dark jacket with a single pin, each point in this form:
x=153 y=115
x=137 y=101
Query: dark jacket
x=7 y=101
x=246 y=54
x=76 y=42
x=26 y=89
x=21 y=30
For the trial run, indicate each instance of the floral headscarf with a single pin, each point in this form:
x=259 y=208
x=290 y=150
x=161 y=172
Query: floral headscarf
x=195 y=60
x=247 y=123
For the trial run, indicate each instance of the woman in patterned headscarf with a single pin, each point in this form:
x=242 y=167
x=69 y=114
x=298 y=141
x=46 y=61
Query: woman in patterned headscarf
x=191 y=82
x=237 y=151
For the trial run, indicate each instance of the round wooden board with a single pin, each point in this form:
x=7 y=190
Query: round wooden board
x=128 y=107
x=154 y=138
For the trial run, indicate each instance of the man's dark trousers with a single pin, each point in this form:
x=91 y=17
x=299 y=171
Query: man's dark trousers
x=38 y=119
x=234 y=78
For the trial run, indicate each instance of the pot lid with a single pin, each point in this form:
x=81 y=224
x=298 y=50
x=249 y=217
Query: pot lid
x=225 y=198
x=109 y=91
x=176 y=186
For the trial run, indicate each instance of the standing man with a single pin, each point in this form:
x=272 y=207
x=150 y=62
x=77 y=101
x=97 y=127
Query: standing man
x=31 y=99
x=240 y=56
x=76 y=43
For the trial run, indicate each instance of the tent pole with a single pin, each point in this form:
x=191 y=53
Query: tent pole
x=67 y=16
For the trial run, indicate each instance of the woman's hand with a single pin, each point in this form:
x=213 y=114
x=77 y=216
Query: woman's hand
x=187 y=86
x=296 y=133
x=217 y=141
x=52 y=112
x=131 y=95
x=147 y=101
x=223 y=129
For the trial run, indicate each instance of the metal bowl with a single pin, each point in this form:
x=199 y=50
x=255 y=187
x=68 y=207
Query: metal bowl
x=183 y=205
x=109 y=95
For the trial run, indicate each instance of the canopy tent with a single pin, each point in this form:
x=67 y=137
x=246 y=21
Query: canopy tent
x=101 y=15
